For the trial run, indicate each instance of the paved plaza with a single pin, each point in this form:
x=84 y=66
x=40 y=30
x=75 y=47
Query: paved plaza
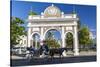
x=69 y=54
x=89 y=56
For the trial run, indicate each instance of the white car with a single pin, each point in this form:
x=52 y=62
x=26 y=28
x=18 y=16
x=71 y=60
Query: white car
x=18 y=50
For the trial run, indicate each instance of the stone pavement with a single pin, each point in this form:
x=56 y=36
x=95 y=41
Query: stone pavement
x=55 y=60
x=69 y=54
x=82 y=53
x=16 y=57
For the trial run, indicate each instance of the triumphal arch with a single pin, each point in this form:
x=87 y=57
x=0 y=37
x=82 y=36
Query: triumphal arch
x=53 y=18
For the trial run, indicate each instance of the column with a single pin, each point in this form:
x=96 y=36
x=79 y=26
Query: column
x=76 y=48
x=63 y=37
x=63 y=42
x=41 y=36
x=35 y=41
x=29 y=37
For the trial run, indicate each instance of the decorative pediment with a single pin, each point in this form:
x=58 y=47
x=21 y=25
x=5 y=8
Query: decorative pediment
x=52 y=11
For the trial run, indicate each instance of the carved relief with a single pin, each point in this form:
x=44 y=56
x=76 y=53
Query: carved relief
x=52 y=11
x=33 y=30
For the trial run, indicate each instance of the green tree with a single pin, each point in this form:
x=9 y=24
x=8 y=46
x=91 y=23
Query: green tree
x=50 y=41
x=69 y=40
x=32 y=13
x=84 y=37
x=16 y=30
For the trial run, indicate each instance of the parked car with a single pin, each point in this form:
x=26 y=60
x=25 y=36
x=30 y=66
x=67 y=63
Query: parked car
x=18 y=50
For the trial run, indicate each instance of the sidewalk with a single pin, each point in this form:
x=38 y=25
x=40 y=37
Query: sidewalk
x=69 y=54
x=84 y=53
x=16 y=57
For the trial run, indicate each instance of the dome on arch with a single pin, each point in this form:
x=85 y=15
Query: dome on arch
x=52 y=11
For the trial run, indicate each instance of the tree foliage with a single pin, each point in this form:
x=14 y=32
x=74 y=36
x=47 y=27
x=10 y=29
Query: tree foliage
x=84 y=36
x=69 y=40
x=32 y=13
x=16 y=30
x=51 y=42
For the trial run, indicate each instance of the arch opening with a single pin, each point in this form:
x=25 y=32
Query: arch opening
x=36 y=40
x=53 y=38
x=69 y=40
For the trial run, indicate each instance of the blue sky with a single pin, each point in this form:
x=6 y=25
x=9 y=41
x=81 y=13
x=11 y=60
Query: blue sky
x=86 y=13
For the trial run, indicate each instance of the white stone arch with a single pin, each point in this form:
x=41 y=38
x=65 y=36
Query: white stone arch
x=51 y=29
x=64 y=22
x=35 y=45
x=71 y=31
x=35 y=33
x=68 y=32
